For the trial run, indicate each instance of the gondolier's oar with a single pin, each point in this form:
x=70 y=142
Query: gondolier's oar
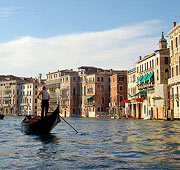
x=68 y=124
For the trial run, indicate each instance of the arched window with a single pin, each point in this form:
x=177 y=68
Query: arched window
x=166 y=74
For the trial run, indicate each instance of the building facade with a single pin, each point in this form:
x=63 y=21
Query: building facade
x=63 y=87
x=118 y=92
x=174 y=81
x=152 y=73
x=130 y=103
x=18 y=95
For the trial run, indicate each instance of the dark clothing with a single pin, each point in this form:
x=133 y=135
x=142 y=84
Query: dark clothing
x=44 y=106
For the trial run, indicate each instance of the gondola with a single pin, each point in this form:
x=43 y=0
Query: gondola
x=37 y=126
x=1 y=116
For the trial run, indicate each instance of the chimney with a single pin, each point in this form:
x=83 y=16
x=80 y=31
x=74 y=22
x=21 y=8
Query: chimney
x=39 y=78
x=174 y=24
x=140 y=57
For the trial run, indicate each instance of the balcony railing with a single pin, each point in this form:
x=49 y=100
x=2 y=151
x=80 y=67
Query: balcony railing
x=172 y=96
x=174 y=80
x=176 y=96
x=89 y=103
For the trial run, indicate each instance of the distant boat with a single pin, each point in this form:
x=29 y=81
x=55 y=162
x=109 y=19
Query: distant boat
x=1 y=116
x=38 y=126
x=78 y=116
x=148 y=117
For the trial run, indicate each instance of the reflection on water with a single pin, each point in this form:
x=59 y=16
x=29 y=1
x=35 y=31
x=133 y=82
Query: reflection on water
x=101 y=144
x=49 y=138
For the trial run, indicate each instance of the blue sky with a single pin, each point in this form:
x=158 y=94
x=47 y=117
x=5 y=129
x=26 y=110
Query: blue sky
x=41 y=36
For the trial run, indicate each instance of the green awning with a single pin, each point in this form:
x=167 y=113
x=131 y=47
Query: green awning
x=6 y=91
x=87 y=97
x=140 y=93
x=139 y=79
x=6 y=100
x=144 y=78
x=149 y=76
x=143 y=92
x=137 y=94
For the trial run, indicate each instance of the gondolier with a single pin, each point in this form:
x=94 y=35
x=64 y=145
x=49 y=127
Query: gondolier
x=45 y=97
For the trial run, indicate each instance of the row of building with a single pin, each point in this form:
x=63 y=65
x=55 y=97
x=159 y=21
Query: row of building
x=149 y=91
x=153 y=85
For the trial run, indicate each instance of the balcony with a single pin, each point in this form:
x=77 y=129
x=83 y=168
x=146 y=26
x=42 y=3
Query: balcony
x=176 y=96
x=89 y=103
x=174 y=80
x=172 y=96
x=7 y=95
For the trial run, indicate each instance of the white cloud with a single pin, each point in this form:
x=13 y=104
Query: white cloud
x=10 y=11
x=117 y=48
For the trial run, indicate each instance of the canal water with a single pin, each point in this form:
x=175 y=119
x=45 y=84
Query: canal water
x=107 y=144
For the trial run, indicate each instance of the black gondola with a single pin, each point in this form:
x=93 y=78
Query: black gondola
x=1 y=116
x=38 y=126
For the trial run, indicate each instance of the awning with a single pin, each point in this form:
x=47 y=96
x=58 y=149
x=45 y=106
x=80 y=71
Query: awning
x=140 y=93
x=87 y=97
x=6 y=91
x=149 y=76
x=126 y=101
x=139 y=79
x=144 y=78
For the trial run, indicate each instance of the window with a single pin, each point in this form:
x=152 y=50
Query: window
x=84 y=90
x=150 y=64
x=166 y=60
x=176 y=70
x=102 y=100
x=98 y=79
x=171 y=44
x=177 y=90
x=121 y=100
x=102 y=88
x=102 y=79
x=98 y=109
x=121 y=88
x=144 y=109
x=177 y=103
x=147 y=65
x=172 y=73
x=137 y=69
x=74 y=91
x=166 y=74
x=121 y=78
x=157 y=61
x=176 y=42
x=157 y=75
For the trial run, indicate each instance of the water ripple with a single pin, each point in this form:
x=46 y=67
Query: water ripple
x=100 y=144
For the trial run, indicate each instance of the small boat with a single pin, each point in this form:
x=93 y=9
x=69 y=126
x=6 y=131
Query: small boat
x=1 y=116
x=147 y=117
x=37 y=126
